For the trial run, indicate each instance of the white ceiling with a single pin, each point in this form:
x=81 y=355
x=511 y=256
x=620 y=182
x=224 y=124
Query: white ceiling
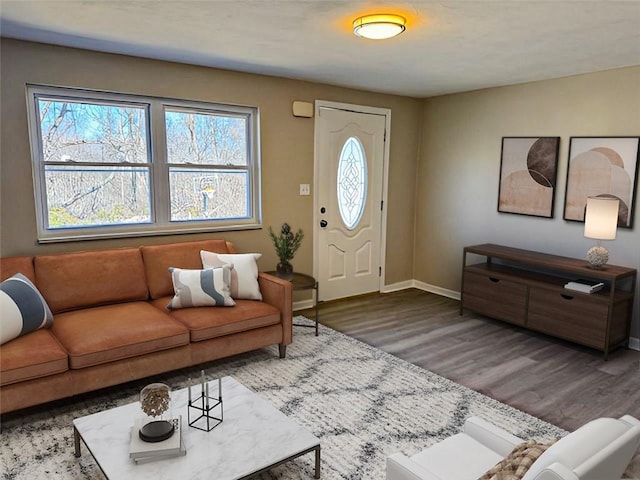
x=449 y=46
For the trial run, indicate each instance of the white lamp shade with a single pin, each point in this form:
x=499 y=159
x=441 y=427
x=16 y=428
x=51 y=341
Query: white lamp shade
x=601 y=218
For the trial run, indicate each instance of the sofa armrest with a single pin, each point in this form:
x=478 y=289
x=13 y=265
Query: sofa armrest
x=556 y=471
x=495 y=438
x=401 y=467
x=612 y=458
x=279 y=293
x=629 y=420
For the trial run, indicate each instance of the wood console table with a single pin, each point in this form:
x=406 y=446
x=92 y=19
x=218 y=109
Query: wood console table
x=526 y=288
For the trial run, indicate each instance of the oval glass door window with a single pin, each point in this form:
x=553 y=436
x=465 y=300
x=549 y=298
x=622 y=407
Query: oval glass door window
x=352 y=182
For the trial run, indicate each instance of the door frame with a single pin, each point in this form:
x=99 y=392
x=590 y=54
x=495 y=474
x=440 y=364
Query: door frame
x=386 y=112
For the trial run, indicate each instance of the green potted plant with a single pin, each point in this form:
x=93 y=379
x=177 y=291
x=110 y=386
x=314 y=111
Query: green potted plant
x=286 y=244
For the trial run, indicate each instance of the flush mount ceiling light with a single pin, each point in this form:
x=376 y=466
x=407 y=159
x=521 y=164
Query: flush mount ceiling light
x=379 y=26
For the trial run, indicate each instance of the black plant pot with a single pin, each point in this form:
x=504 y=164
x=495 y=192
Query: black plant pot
x=284 y=270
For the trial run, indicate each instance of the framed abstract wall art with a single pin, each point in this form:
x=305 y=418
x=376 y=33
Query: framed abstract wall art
x=602 y=166
x=528 y=170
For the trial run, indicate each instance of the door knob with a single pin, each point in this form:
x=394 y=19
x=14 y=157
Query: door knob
x=323 y=223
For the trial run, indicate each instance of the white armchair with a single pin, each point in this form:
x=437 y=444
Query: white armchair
x=600 y=449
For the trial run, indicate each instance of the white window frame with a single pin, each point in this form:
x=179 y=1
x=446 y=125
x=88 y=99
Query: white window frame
x=159 y=168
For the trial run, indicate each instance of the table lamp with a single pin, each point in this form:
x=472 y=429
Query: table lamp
x=600 y=223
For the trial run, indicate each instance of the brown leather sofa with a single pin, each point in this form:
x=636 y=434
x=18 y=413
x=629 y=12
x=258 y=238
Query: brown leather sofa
x=111 y=324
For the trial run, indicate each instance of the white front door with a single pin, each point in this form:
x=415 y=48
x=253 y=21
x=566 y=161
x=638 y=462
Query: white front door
x=350 y=152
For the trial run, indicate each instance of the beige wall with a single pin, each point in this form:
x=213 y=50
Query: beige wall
x=287 y=144
x=450 y=144
x=459 y=165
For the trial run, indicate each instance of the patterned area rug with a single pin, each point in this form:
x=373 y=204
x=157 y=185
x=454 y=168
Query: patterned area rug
x=362 y=403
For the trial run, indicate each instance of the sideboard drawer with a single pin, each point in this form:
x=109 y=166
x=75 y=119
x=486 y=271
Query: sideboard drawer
x=495 y=297
x=574 y=316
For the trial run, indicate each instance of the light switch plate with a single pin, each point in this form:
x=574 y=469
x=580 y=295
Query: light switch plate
x=305 y=189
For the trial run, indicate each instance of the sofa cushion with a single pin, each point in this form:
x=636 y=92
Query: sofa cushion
x=36 y=355
x=22 y=308
x=85 y=279
x=206 y=322
x=97 y=335
x=158 y=259
x=9 y=266
x=201 y=288
x=244 y=276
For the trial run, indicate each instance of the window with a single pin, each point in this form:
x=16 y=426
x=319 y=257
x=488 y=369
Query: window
x=109 y=165
x=207 y=158
x=352 y=182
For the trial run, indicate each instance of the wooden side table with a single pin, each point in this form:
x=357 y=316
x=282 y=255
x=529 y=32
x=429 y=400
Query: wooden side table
x=302 y=281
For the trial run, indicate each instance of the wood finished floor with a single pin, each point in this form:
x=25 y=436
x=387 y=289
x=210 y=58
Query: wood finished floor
x=559 y=382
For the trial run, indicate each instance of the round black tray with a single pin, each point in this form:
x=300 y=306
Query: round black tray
x=156 y=431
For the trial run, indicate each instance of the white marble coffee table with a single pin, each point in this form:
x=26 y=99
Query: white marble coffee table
x=253 y=438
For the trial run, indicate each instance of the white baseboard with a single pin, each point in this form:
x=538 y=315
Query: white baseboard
x=634 y=343
x=445 y=292
x=394 y=287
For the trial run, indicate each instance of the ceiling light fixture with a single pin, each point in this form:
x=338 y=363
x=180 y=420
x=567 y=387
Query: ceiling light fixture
x=379 y=26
